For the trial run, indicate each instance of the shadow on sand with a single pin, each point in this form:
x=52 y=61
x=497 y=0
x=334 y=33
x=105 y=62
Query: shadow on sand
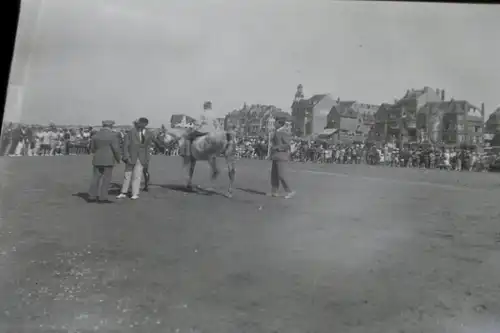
x=182 y=188
x=114 y=189
x=82 y=195
x=251 y=191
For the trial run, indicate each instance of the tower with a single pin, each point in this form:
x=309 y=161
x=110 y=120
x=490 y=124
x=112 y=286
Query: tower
x=299 y=94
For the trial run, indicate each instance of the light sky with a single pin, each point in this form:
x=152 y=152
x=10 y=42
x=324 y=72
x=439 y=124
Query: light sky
x=122 y=59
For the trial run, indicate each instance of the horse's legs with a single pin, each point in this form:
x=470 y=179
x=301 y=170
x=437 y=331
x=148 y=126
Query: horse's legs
x=214 y=170
x=213 y=166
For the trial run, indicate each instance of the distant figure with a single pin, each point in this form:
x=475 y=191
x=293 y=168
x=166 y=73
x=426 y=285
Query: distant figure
x=17 y=141
x=280 y=153
x=106 y=150
x=5 y=139
x=136 y=155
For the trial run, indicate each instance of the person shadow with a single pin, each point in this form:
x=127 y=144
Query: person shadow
x=251 y=191
x=114 y=189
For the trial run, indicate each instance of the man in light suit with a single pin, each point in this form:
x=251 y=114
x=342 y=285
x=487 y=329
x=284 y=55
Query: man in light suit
x=136 y=155
x=106 y=150
x=280 y=153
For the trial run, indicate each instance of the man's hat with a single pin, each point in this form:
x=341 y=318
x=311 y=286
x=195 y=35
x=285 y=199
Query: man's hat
x=142 y=120
x=207 y=105
x=108 y=123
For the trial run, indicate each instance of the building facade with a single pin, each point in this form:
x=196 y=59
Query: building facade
x=423 y=116
x=321 y=114
x=366 y=112
x=492 y=125
x=451 y=122
x=251 y=120
x=181 y=120
x=399 y=120
x=310 y=116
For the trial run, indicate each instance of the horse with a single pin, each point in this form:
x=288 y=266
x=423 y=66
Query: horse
x=164 y=143
x=207 y=148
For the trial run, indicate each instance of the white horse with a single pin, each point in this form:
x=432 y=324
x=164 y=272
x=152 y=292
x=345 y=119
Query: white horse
x=207 y=148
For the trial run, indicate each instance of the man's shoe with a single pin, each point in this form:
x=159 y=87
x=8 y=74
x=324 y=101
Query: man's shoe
x=290 y=195
x=134 y=197
x=121 y=196
x=145 y=189
x=91 y=200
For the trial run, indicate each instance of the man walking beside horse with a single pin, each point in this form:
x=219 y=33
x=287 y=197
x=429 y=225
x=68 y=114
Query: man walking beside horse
x=280 y=153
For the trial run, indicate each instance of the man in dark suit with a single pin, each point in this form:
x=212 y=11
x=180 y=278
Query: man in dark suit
x=136 y=155
x=5 y=139
x=16 y=137
x=30 y=141
x=106 y=150
x=145 y=167
x=280 y=153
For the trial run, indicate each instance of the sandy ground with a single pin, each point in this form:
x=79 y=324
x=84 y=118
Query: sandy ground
x=359 y=249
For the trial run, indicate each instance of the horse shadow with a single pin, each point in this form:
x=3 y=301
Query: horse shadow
x=184 y=189
x=251 y=191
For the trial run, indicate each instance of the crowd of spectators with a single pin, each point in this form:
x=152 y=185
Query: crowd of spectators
x=35 y=140
x=416 y=156
x=26 y=140
x=51 y=140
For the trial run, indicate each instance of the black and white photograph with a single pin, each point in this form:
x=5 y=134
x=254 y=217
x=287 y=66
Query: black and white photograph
x=237 y=166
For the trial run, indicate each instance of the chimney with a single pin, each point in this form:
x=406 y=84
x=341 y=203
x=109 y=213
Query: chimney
x=442 y=95
x=437 y=93
x=338 y=99
x=482 y=109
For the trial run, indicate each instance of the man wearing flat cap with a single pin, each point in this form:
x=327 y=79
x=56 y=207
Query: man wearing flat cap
x=136 y=155
x=105 y=147
x=280 y=152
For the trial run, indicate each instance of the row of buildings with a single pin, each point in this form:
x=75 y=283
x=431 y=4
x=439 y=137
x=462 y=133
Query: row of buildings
x=420 y=116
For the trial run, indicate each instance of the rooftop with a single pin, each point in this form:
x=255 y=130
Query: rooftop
x=344 y=109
